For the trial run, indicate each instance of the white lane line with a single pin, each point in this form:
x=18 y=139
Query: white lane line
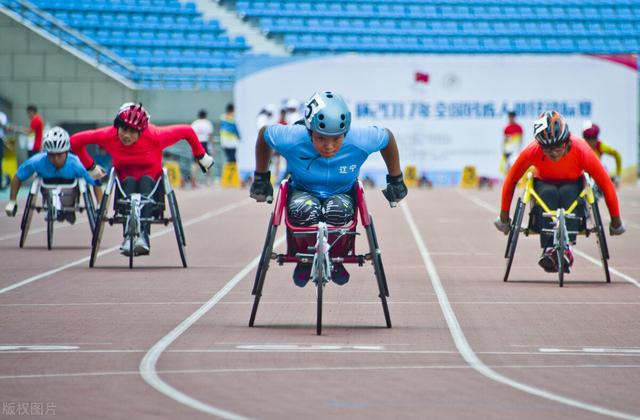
x=611 y=269
x=315 y=368
x=198 y=219
x=38 y=230
x=590 y=350
x=148 y=364
x=576 y=352
x=587 y=257
x=267 y=302
x=465 y=349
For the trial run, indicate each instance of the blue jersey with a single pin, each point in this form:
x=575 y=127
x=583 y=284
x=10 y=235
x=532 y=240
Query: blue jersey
x=320 y=176
x=41 y=165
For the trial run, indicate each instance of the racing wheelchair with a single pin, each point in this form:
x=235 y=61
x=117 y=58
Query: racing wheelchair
x=127 y=211
x=60 y=198
x=321 y=245
x=590 y=222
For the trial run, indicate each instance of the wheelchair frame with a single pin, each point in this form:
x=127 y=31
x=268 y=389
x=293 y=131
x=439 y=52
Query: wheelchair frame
x=38 y=185
x=319 y=253
x=132 y=220
x=559 y=231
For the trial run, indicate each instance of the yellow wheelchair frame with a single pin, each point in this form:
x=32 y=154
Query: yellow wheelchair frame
x=559 y=230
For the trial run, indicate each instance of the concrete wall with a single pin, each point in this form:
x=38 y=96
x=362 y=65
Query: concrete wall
x=66 y=89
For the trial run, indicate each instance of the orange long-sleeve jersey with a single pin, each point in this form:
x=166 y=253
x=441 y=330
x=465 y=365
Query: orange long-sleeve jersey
x=569 y=168
x=144 y=157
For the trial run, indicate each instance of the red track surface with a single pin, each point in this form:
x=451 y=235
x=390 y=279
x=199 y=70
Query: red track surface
x=525 y=349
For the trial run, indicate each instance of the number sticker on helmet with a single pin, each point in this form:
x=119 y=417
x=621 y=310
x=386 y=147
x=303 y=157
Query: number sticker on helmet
x=313 y=105
x=540 y=125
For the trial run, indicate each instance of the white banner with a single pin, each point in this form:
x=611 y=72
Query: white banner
x=448 y=111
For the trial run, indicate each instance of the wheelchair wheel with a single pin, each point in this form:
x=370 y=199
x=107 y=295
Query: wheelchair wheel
x=177 y=226
x=90 y=209
x=25 y=223
x=378 y=258
x=602 y=240
x=50 y=220
x=263 y=266
x=560 y=258
x=319 y=292
x=512 y=240
x=378 y=270
x=131 y=233
x=101 y=218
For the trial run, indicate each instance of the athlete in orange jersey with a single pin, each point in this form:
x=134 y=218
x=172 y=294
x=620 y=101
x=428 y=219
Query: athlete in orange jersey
x=559 y=161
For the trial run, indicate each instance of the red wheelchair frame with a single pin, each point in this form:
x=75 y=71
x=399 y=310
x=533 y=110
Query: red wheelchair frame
x=302 y=239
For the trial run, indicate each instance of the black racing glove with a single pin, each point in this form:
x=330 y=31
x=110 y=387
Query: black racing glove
x=396 y=189
x=261 y=189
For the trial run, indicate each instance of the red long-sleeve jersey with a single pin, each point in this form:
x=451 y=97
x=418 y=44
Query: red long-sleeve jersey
x=569 y=168
x=144 y=157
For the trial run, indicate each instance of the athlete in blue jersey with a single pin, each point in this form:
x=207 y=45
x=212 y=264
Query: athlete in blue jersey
x=324 y=157
x=55 y=166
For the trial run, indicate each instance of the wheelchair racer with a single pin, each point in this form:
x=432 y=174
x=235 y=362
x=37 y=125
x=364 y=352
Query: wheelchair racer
x=55 y=165
x=559 y=161
x=136 y=147
x=591 y=133
x=324 y=157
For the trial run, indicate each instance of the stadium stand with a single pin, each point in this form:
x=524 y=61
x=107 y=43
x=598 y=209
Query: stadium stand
x=452 y=26
x=154 y=43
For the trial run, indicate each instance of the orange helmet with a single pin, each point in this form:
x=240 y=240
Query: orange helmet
x=550 y=129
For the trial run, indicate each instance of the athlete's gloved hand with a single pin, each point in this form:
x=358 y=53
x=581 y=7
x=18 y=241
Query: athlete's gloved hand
x=503 y=227
x=11 y=208
x=205 y=162
x=619 y=230
x=261 y=189
x=616 y=181
x=96 y=171
x=396 y=190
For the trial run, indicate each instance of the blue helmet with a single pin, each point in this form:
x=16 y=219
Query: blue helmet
x=327 y=113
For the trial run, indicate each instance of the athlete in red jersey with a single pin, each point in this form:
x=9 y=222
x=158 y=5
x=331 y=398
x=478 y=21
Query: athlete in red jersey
x=136 y=148
x=559 y=160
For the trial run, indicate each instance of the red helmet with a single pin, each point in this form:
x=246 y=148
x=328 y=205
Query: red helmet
x=550 y=129
x=132 y=115
x=590 y=130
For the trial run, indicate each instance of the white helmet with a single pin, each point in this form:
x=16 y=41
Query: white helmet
x=56 y=141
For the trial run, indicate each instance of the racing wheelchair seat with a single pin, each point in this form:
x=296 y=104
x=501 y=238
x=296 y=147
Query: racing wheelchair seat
x=307 y=245
x=60 y=201
x=126 y=211
x=589 y=222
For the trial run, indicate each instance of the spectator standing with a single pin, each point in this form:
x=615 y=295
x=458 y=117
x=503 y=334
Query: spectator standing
x=36 y=129
x=512 y=142
x=204 y=130
x=229 y=134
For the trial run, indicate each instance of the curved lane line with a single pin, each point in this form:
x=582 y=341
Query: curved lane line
x=148 y=364
x=465 y=349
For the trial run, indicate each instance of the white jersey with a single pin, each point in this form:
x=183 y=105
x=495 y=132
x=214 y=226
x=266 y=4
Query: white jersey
x=292 y=117
x=3 y=123
x=264 y=119
x=203 y=129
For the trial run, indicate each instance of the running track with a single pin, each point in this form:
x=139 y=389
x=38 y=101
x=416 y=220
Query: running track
x=163 y=341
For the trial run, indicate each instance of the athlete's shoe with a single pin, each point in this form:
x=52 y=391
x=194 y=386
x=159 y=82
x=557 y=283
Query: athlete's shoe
x=339 y=275
x=548 y=260
x=70 y=216
x=568 y=259
x=302 y=274
x=140 y=246
x=125 y=247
